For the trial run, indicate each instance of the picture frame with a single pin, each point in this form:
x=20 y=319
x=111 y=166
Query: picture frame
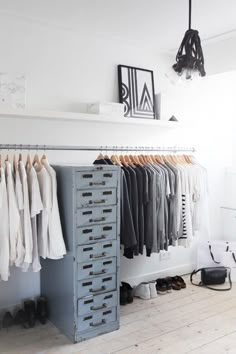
x=137 y=92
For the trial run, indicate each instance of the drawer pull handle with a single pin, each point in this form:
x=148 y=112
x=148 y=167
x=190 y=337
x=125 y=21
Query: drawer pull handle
x=103 y=271
x=87 y=231
x=107 y=228
x=107 y=192
x=97 y=183
x=103 y=254
x=96 y=324
x=97 y=220
x=87 y=194
x=98 y=290
x=102 y=237
x=102 y=201
x=96 y=308
x=88 y=176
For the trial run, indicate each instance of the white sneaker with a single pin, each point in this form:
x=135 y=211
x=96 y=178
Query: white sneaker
x=153 y=290
x=143 y=291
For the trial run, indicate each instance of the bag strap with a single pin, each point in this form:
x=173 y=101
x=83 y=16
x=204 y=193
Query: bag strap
x=227 y=248
x=209 y=287
x=212 y=256
x=234 y=258
x=192 y=274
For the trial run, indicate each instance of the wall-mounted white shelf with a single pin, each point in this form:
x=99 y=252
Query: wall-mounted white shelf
x=94 y=118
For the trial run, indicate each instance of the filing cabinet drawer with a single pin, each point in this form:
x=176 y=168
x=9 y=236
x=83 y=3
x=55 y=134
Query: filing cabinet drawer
x=95 y=233
x=97 y=303
x=95 y=197
x=97 y=320
x=96 y=285
x=95 y=251
x=96 y=179
x=95 y=268
x=89 y=216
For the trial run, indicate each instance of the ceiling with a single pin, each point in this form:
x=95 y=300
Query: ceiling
x=161 y=23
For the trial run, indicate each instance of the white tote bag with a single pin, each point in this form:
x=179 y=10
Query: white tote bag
x=210 y=254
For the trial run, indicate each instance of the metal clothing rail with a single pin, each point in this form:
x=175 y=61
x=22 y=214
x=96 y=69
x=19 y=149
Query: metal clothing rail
x=95 y=148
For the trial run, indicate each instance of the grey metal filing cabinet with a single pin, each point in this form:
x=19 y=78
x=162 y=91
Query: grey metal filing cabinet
x=83 y=287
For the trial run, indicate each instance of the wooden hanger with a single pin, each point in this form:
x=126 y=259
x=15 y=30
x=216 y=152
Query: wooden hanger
x=122 y=160
x=100 y=157
x=115 y=159
x=37 y=161
x=44 y=157
x=157 y=159
x=129 y=161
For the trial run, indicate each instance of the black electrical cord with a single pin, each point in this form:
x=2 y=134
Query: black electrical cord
x=189 y=13
x=190 y=56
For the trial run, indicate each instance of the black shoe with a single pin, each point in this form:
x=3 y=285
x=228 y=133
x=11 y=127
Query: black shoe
x=7 y=320
x=20 y=318
x=42 y=309
x=123 y=295
x=129 y=290
x=30 y=313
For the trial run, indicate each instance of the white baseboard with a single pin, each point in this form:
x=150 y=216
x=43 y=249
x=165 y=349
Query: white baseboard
x=179 y=270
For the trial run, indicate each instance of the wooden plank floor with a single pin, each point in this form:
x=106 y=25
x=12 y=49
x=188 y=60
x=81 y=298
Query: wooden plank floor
x=193 y=320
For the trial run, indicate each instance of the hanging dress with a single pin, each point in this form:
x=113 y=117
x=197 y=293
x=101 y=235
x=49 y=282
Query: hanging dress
x=36 y=207
x=4 y=229
x=16 y=241
x=56 y=244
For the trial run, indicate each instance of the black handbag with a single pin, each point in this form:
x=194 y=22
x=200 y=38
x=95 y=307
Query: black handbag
x=213 y=276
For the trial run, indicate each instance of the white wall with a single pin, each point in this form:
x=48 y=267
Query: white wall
x=62 y=70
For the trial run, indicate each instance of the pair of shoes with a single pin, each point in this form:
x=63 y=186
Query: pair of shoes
x=28 y=316
x=146 y=291
x=126 y=294
x=7 y=320
x=163 y=285
x=32 y=313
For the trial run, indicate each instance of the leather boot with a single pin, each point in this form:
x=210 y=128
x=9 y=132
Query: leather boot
x=7 y=320
x=30 y=313
x=42 y=309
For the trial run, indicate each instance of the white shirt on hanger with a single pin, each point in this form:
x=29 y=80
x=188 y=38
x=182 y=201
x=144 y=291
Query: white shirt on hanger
x=16 y=246
x=27 y=229
x=43 y=218
x=36 y=207
x=56 y=244
x=20 y=203
x=4 y=229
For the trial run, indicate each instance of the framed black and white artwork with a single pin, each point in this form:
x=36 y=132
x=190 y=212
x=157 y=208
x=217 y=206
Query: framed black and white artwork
x=136 y=92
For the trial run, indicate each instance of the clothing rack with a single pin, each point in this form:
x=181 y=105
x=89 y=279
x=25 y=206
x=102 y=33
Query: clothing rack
x=95 y=148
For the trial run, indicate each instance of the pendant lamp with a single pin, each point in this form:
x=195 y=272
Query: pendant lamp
x=189 y=58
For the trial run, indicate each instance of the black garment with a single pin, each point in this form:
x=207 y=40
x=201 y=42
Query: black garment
x=127 y=232
x=100 y=162
x=128 y=181
x=140 y=183
x=135 y=205
x=149 y=216
x=108 y=161
x=144 y=200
